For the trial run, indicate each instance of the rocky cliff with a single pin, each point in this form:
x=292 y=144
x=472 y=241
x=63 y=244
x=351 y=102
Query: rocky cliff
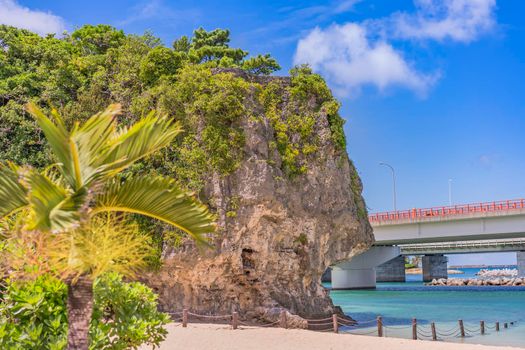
x=278 y=231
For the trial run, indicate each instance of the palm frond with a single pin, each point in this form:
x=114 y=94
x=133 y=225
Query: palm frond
x=58 y=138
x=92 y=141
x=52 y=206
x=12 y=193
x=95 y=149
x=143 y=138
x=159 y=198
x=82 y=151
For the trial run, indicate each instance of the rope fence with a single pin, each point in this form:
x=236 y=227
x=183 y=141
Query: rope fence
x=424 y=332
x=338 y=324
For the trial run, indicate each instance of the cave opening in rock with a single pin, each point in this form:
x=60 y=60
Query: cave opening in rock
x=247 y=260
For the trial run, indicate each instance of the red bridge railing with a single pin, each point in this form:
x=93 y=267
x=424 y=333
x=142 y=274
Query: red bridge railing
x=447 y=211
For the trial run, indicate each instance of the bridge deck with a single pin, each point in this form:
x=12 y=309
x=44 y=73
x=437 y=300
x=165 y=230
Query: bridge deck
x=469 y=222
x=497 y=245
x=445 y=213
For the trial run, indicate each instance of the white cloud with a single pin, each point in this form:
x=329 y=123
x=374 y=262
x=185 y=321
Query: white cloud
x=349 y=60
x=344 y=6
x=13 y=14
x=489 y=160
x=353 y=55
x=458 y=20
x=318 y=12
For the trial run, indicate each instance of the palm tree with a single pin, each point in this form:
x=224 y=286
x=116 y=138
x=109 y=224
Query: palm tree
x=84 y=182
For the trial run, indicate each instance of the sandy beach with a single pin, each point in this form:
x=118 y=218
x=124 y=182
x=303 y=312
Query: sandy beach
x=221 y=337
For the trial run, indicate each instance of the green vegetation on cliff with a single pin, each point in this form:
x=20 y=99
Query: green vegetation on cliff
x=84 y=71
x=293 y=111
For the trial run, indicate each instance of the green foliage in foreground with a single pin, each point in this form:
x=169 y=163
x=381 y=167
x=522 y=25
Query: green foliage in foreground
x=64 y=205
x=33 y=315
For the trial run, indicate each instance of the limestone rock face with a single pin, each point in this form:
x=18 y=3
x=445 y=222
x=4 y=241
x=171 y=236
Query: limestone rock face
x=271 y=253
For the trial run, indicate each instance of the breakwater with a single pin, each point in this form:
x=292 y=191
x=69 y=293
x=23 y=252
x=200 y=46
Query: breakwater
x=508 y=282
x=484 y=273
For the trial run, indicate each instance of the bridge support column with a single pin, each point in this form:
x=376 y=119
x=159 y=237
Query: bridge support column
x=434 y=266
x=353 y=278
x=520 y=258
x=360 y=271
x=391 y=271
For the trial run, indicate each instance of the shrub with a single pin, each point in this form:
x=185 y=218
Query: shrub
x=125 y=315
x=33 y=315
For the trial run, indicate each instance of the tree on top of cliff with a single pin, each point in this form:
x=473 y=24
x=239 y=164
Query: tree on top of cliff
x=214 y=46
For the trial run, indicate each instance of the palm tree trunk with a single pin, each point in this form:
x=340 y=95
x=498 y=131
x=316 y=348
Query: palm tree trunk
x=79 y=310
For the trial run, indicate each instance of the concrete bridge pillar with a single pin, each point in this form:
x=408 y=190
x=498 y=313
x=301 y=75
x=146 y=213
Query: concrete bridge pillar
x=357 y=278
x=360 y=271
x=520 y=258
x=391 y=271
x=434 y=266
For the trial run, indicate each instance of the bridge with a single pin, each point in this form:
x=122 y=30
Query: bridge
x=432 y=232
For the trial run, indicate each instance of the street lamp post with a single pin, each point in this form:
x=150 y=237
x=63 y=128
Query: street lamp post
x=450 y=192
x=393 y=182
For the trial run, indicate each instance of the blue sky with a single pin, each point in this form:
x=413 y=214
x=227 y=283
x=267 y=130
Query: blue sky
x=436 y=88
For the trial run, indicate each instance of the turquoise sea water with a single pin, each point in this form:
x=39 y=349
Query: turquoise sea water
x=398 y=303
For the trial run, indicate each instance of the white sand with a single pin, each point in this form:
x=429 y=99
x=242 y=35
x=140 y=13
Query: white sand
x=221 y=337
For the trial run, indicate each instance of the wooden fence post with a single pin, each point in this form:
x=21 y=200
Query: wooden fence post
x=185 y=318
x=497 y=326
x=414 y=329
x=336 y=324
x=433 y=327
x=379 y=326
x=505 y=325
x=461 y=328
x=235 y=320
x=284 y=323
x=482 y=327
